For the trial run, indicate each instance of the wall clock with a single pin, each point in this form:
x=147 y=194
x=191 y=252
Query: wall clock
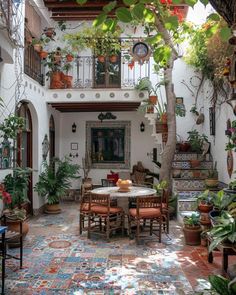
x=141 y=52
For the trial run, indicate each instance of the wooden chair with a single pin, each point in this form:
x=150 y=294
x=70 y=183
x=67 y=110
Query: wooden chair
x=149 y=209
x=102 y=218
x=83 y=212
x=165 y=210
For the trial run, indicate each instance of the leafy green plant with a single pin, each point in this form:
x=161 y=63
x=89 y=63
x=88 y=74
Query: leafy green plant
x=206 y=197
x=11 y=126
x=191 y=221
x=224 y=230
x=16 y=184
x=221 y=200
x=222 y=285
x=196 y=140
x=55 y=179
x=160 y=186
x=144 y=84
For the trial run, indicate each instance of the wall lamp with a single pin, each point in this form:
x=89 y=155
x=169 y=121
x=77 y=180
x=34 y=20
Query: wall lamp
x=106 y=116
x=74 y=128
x=142 y=127
x=73 y=155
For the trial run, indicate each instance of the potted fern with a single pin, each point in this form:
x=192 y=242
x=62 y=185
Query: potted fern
x=54 y=181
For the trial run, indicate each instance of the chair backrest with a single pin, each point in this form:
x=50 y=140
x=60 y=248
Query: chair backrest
x=165 y=196
x=149 y=202
x=99 y=199
x=139 y=177
x=107 y=182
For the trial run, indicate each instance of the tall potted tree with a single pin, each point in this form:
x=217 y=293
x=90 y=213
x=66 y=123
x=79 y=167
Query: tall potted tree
x=54 y=181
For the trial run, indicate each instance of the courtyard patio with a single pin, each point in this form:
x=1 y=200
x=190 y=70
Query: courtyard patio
x=57 y=260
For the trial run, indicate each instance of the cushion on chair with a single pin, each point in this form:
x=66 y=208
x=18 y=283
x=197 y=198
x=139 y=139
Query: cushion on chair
x=146 y=212
x=103 y=209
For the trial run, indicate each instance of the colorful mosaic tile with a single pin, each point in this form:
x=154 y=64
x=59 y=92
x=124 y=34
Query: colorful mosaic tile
x=81 y=266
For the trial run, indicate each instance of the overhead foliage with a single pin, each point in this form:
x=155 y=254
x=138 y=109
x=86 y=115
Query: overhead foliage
x=208 y=53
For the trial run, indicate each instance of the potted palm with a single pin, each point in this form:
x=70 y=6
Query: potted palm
x=192 y=230
x=54 y=181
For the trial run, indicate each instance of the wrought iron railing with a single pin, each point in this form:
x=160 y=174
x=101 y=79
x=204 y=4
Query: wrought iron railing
x=32 y=65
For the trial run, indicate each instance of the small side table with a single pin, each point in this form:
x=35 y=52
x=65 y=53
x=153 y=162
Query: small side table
x=3 y=250
x=226 y=249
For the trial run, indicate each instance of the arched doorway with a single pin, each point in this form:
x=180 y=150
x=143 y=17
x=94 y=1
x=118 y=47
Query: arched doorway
x=51 y=138
x=24 y=150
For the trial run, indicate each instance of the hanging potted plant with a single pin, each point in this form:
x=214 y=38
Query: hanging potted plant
x=54 y=181
x=49 y=32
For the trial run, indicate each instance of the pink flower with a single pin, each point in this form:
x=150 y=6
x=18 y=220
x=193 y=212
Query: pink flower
x=6 y=197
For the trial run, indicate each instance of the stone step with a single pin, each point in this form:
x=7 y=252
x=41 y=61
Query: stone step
x=187 y=165
x=188 y=184
x=191 y=156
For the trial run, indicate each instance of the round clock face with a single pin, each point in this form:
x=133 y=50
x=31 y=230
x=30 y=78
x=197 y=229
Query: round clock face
x=140 y=49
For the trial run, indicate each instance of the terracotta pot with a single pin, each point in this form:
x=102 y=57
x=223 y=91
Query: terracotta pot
x=56 y=81
x=192 y=235
x=210 y=182
x=184 y=146
x=53 y=208
x=15 y=226
x=101 y=58
x=69 y=57
x=113 y=58
x=43 y=54
x=67 y=79
x=49 y=32
x=194 y=163
x=204 y=207
x=196 y=174
x=205 y=219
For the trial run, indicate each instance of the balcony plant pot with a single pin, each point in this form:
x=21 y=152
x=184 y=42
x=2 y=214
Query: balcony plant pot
x=210 y=182
x=43 y=54
x=49 y=32
x=101 y=58
x=192 y=235
x=67 y=79
x=194 y=163
x=69 y=57
x=55 y=80
x=113 y=58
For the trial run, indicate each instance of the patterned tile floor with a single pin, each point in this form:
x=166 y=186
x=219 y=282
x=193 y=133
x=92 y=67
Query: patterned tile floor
x=59 y=261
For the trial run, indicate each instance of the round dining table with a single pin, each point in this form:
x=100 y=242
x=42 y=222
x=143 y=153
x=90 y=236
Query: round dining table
x=122 y=197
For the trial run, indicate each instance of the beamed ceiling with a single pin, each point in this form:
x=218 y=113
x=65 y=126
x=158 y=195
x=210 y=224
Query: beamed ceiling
x=70 y=10
x=66 y=107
